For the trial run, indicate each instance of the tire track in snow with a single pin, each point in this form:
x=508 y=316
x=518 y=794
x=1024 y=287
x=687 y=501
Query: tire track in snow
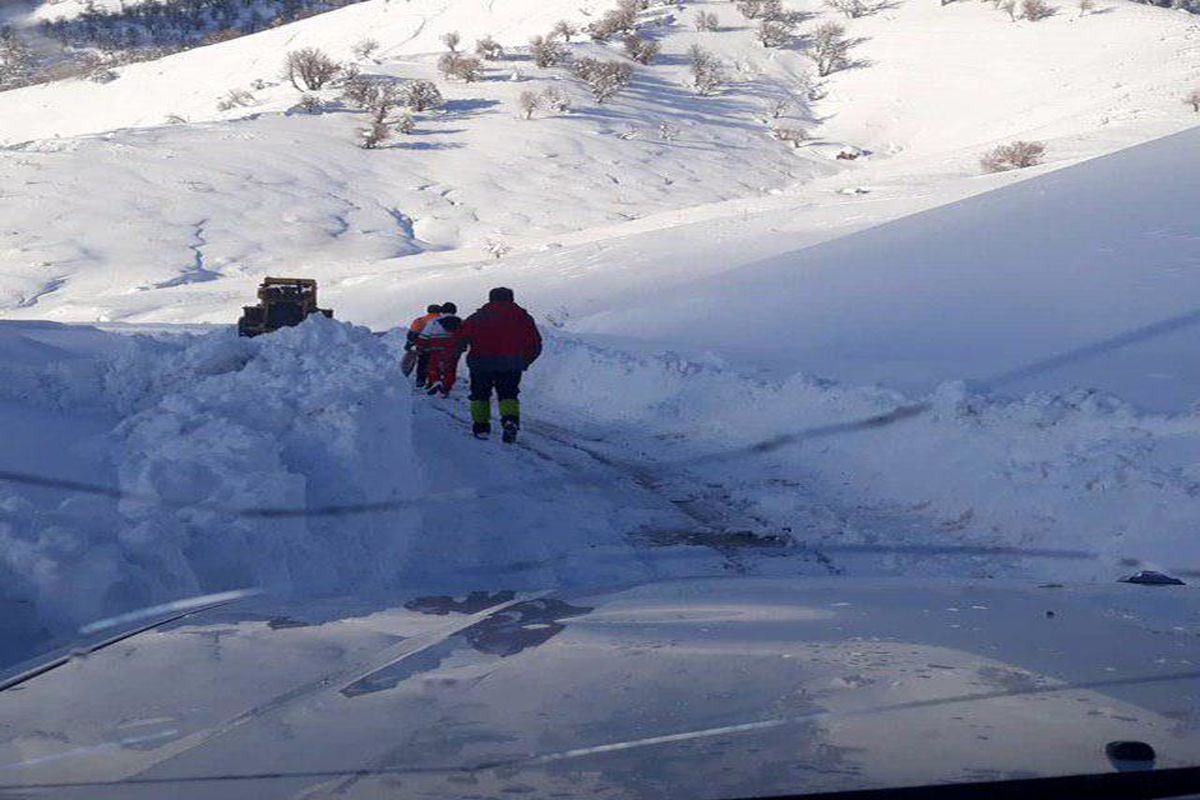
x=706 y=523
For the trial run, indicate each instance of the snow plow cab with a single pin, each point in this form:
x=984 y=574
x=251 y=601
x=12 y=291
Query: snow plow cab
x=282 y=302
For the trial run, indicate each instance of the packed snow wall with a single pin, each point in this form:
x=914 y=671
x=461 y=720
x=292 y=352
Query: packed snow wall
x=193 y=428
x=1077 y=469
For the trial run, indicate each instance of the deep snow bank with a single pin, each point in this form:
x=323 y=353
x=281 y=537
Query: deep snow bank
x=311 y=416
x=1077 y=469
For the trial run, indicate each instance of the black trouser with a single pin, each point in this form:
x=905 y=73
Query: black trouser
x=506 y=385
x=423 y=357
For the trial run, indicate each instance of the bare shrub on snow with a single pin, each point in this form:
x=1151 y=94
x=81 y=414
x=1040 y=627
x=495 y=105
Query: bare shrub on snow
x=556 y=100
x=604 y=78
x=641 y=49
x=1017 y=155
x=310 y=68
x=529 y=103
x=422 y=96
x=489 y=49
x=452 y=39
x=830 y=48
x=1086 y=7
x=363 y=49
x=707 y=21
x=547 y=51
x=778 y=107
x=310 y=104
x=1036 y=10
x=455 y=66
x=775 y=32
x=1010 y=7
x=760 y=9
x=564 y=30
x=17 y=62
x=1193 y=100
x=235 y=98
x=791 y=135
x=708 y=72
x=497 y=248
x=853 y=9
x=375 y=134
x=622 y=19
x=380 y=97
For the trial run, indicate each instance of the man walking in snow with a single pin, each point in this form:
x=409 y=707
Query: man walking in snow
x=439 y=341
x=504 y=341
x=412 y=343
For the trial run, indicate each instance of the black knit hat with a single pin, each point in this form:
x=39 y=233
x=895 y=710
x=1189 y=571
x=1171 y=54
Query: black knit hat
x=501 y=294
x=433 y=308
x=449 y=308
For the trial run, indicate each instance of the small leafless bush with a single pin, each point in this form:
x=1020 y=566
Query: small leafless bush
x=310 y=104
x=760 y=9
x=641 y=49
x=778 y=107
x=452 y=39
x=775 y=33
x=707 y=21
x=1017 y=155
x=489 y=49
x=529 y=103
x=1009 y=7
x=497 y=248
x=556 y=100
x=235 y=98
x=365 y=48
x=620 y=20
x=564 y=30
x=1193 y=100
x=1037 y=10
x=547 y=51
x=604 y=78
x=310 y=68
x=455 y=66
x=830 y=48
x=793 y=136
x=1086 y=7
x=853 y=9
x=708 y=72
x=422 y=96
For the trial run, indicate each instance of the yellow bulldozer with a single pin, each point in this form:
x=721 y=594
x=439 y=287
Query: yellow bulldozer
x=282 y=302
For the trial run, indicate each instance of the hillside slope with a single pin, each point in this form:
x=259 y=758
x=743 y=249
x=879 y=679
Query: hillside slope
x=114 y=215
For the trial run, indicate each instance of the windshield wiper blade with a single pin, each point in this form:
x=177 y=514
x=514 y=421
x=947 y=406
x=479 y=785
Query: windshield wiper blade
x=77 y=651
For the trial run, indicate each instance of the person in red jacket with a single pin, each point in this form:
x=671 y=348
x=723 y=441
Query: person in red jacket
x=439 y=339
x=503 y=341
x=412 y=345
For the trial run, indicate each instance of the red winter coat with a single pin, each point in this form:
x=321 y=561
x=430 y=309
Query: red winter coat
x=502 y=337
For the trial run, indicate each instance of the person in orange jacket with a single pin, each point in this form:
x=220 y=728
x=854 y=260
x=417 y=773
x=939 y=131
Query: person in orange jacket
x=439 y=339
x=432 y=312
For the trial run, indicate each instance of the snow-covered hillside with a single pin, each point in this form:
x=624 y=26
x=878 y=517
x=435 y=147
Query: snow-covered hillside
x=115 y=215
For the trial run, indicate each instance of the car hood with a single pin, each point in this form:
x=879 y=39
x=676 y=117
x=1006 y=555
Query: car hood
x=700 y=688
